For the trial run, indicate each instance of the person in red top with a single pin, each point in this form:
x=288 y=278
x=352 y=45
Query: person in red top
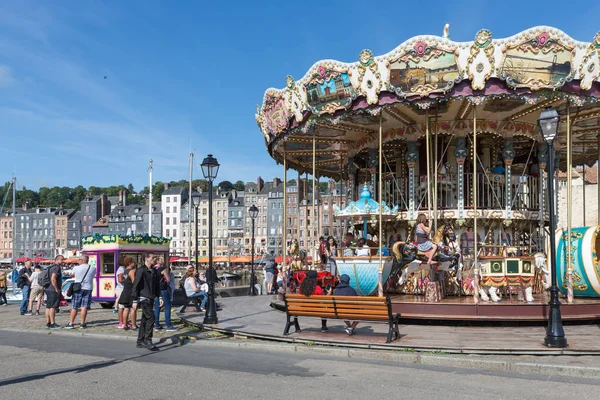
x=309 y=287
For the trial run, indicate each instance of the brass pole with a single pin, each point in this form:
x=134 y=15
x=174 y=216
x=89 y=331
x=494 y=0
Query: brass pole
x=380 y=193
x=314 y=171
x=475 y=249
x=569 y=207
x=427 y=148
x=284 y=235
x=435 y=173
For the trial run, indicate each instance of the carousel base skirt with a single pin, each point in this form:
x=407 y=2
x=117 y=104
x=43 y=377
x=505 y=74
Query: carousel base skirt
x=457 y=308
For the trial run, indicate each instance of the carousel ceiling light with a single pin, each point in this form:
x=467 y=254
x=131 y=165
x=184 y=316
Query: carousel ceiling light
x=548 y=124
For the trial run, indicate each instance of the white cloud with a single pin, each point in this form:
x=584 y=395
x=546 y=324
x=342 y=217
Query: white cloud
x=6 y=77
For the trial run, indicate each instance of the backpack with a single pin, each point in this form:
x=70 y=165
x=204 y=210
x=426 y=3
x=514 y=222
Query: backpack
x=44 y=278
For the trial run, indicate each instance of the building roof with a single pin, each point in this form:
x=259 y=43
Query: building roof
x=174 y=190
x=134 y=209
x=563 y=175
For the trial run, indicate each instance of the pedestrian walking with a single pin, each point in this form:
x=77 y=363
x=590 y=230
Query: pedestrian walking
x=164 y=296
x=146 y=289
x=3 y=301
x=126 y=297
x=37 y=291
x=82 y=291
x=24 y=284
x=52 y=290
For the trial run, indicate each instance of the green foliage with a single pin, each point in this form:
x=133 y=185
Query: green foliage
x=291 y=182
x=226 y=185
x=239 y=186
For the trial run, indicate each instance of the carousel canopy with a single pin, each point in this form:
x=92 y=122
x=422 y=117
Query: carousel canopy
x=433 y=84
x=365 y=207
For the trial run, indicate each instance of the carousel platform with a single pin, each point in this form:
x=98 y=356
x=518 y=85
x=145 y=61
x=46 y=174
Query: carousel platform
x=258 y=317
x=459 y=308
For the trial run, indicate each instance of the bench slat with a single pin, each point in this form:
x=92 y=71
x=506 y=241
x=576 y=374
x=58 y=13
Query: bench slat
x=293 y=296
x=362 y=312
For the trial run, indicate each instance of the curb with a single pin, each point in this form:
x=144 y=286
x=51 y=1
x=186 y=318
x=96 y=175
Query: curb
x=399 y=356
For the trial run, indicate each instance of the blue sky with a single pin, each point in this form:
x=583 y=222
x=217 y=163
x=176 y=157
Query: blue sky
x=181 y=72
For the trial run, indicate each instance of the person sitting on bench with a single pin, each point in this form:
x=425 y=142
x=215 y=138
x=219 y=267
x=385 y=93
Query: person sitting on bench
x=362 y=249
x=344 y=289
x=193 y=289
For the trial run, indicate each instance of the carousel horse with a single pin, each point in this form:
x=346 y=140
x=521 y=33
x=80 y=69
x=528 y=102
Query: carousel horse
x=297 y=256
x=488 y=285
x=407 y=258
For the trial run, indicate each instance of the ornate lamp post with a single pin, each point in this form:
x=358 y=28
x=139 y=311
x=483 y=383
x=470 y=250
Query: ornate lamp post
x=555 y=335
x=253 y=210
x=210 y=168
x=196 y=203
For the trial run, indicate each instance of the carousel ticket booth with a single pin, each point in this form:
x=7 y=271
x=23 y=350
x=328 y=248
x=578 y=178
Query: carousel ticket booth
x=448 y=130
x=104 y=252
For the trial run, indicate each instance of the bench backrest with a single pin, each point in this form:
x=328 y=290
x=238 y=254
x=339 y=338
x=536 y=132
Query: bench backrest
x=343 y=307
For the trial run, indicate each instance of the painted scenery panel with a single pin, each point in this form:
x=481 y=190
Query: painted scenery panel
x=523 y=67
x=332 y=93
x=425 y=76
x=276 y=114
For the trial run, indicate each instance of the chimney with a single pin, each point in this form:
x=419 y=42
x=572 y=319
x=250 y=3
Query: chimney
x=166 y=186
x=25 y=206
x=101 y=206
x=276 y=182
x=331 y=186
x=123 y=197
x=259 y=184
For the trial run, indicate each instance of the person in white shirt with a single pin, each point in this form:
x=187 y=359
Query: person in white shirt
x=36 y=293
x=362 y=249
x=119 y=289
x=84 y=274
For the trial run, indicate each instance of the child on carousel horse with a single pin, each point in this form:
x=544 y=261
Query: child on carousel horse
x=424 y=243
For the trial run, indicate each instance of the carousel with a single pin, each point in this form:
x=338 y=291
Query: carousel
x=451 y=130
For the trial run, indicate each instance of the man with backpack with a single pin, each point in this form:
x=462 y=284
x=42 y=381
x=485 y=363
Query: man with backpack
x=82 y=291
x=164 y=295
x=25 y=286
x=51 y=279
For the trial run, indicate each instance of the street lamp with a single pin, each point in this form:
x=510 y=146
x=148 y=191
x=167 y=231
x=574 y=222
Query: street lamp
x=253 y=210
x=196 y=203
x=210 y=168
x=555 y=335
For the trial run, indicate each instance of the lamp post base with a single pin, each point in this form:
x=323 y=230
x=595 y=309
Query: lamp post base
x=555 y=334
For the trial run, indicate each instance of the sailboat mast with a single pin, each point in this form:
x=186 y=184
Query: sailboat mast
x=14 y=215
x=150 y=201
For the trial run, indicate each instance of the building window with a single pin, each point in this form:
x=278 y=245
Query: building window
x=168 y=209
x=174 y=209
x=168 y=199
x=174 y=220
x=168 y=223
x=174 y=232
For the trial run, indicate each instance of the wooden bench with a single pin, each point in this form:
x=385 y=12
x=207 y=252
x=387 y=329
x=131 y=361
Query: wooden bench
x=350 y=308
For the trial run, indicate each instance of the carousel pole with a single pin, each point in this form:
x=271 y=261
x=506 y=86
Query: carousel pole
x=380 y=196
x=341 y=190
x=314 y=170
x=298 y=206
x=475 y=244
x=435 y=173
x=428 y=150
x=597 y=183
x=569 y=208
x=284 y=233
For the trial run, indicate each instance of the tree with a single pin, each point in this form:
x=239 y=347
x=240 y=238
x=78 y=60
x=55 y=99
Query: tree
x=130 y=188
x=291 y=182
x=239 y=186
x=157 y=190
x=226 y=185
x=94 y=191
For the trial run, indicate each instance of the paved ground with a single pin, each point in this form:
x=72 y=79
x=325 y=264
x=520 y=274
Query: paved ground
x=62 y=366
x=253 y=316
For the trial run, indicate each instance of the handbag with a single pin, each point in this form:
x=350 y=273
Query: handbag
x=76 y=286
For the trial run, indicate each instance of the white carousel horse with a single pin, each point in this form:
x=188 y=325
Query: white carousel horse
x=489 y=291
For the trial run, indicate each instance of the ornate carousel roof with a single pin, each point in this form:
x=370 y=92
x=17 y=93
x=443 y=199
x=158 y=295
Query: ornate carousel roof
x=508 y=81
x=365 y=207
